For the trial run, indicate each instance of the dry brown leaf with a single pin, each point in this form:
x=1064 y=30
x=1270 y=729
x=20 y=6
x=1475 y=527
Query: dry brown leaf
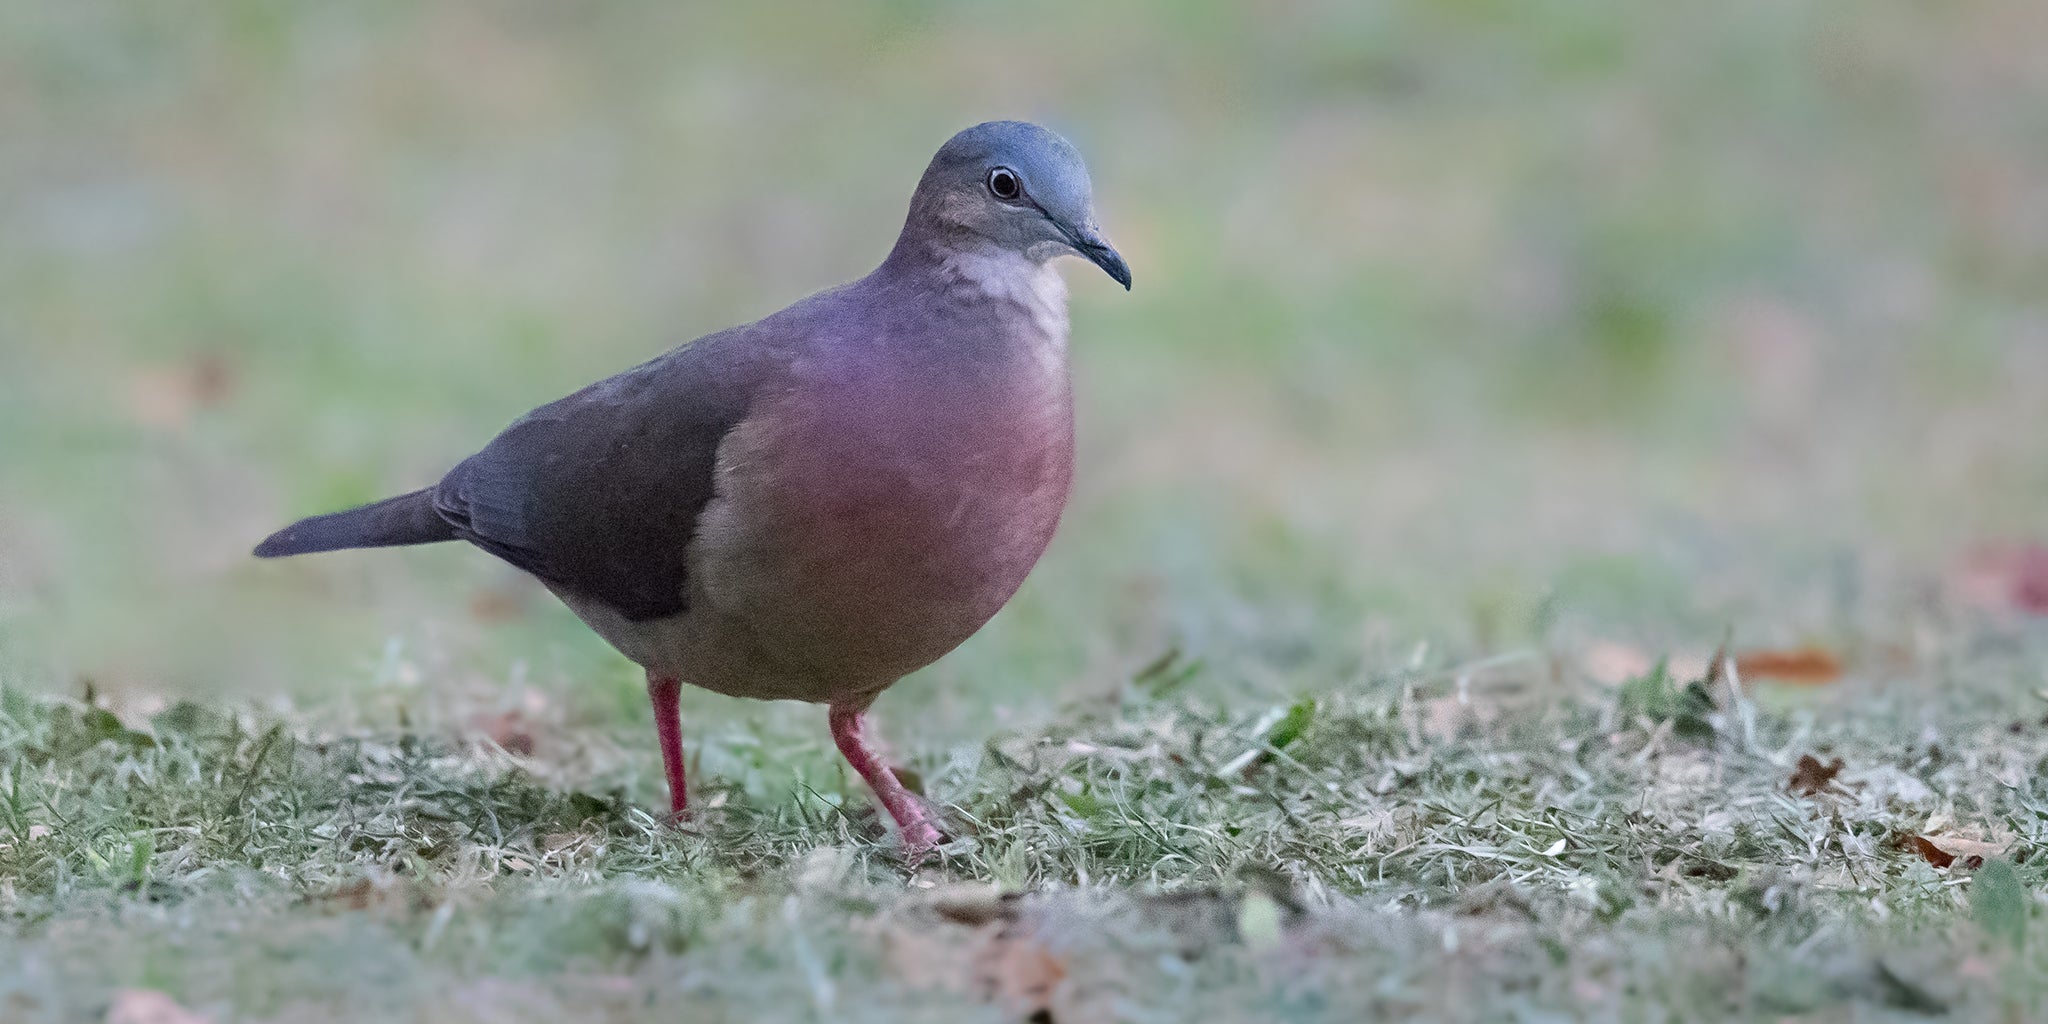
x=1963 y=852
x=1925 y=847
x=1811 y=776
x=1803 y=666
x=1015 y=971
x=148 y=1006
x=1002 y=961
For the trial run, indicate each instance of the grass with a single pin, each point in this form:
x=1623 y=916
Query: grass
x=1525 y=842
x=1475 y=347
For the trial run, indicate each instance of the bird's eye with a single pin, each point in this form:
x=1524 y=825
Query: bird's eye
x=1003 y=184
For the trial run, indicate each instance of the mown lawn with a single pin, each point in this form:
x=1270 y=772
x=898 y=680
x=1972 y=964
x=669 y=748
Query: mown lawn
x=1481 y=356
x=1509 y=842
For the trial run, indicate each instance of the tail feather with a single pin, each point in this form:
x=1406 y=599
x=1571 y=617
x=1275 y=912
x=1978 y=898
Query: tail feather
x=405 y=519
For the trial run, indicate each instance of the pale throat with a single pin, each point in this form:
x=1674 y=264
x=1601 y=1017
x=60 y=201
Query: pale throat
x=1009 y=275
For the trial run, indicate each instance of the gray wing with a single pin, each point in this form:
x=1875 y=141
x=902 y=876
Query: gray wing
x=600 y=492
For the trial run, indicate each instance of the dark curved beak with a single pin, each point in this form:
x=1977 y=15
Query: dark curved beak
x=1088 y=241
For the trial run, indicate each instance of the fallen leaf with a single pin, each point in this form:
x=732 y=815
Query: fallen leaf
x=1967 y=852
x=1803 y=666
x=147 y=1006
x=1017 y=972
x=1001 y=961
x=1811 y=777
x=1925 y=847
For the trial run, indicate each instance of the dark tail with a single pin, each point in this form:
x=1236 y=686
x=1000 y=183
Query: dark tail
x=406 y=519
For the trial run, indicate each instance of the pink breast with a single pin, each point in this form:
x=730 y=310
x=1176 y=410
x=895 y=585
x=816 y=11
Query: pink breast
x=882 y=522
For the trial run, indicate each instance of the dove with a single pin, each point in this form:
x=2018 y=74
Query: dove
x=816 y=504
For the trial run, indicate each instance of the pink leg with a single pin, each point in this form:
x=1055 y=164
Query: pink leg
x=919 y=834
x=668 y=722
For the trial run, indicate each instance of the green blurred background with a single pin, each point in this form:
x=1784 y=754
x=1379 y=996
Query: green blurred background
x=1458 y=326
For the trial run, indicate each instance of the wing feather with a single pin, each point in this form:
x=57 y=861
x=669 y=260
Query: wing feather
x=600 y=492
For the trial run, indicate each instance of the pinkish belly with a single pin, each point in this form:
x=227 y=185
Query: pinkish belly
x=876 y=545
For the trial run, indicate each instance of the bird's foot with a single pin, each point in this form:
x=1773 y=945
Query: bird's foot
x=913 y=819
x=920 y=836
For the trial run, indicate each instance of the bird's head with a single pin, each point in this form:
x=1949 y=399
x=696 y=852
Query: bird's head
x=1016 y=186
